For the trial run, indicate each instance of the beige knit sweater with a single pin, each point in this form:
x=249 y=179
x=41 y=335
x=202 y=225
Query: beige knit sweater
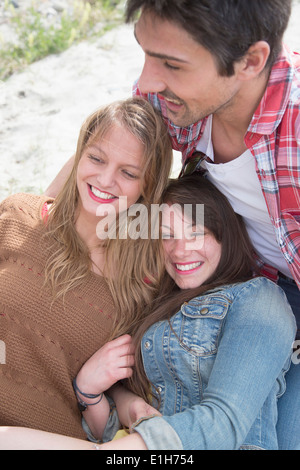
x=46 y=343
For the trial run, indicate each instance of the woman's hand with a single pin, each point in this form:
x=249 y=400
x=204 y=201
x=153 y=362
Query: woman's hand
x=138 y=408
x=111 y=363
x=130 y=407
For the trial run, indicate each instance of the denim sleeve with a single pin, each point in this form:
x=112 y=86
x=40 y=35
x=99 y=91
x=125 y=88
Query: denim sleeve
x=148 y=429
x=254 y=348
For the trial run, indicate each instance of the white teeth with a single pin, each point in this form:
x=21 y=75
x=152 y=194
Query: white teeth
x=187 y=267
x=101 y=195
x=173 y=101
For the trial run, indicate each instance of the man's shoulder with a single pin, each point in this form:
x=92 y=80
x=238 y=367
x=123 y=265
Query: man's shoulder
x=286 y=71
x=295 y=89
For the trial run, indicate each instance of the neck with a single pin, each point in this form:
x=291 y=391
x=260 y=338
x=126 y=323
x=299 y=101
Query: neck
x=245 y=103
x=230 y=125
x=86 y=227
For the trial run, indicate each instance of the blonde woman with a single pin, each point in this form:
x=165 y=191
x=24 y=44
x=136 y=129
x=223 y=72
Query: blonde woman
x=60 y=297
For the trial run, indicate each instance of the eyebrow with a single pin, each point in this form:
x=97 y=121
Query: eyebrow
x=157 y=55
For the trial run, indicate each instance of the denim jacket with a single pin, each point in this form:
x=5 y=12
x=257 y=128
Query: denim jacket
x=219 y=367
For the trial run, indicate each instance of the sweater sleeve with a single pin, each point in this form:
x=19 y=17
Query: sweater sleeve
x=21 y=206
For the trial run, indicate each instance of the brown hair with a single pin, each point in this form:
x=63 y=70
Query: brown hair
x=226 y=28
x=236 y=263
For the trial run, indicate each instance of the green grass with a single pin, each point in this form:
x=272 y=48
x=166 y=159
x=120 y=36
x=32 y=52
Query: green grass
x=37 y=38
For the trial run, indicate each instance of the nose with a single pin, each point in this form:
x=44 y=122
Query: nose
x=151 y=79
x=179 y=248
x=107 y=177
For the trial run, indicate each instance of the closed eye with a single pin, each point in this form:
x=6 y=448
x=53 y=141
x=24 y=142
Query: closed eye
x=171 y=67
x=130 y=175
x=95 y=159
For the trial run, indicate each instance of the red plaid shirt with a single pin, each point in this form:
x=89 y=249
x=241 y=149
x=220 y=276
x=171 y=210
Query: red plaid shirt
x=273 y=137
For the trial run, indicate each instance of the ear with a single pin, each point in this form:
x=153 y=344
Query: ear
x=254 y=61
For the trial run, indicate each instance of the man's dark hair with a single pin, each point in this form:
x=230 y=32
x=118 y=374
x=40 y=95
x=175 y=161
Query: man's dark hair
x=227 y=28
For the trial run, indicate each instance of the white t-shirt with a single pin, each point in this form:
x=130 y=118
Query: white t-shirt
x=238 y=181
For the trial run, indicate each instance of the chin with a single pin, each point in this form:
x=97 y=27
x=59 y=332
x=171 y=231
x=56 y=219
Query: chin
x=187 y=285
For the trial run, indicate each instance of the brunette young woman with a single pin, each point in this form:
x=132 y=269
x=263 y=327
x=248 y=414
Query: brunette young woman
x=213 y=350
x=60 y=300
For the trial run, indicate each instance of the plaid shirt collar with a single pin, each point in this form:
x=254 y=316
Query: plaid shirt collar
x=276 y=97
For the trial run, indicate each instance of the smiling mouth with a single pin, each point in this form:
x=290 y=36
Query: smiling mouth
x=184 y=268
x=101 y=195
x=172 y=101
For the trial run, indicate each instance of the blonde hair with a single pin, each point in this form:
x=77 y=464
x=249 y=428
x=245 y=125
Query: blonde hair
x=135 y=265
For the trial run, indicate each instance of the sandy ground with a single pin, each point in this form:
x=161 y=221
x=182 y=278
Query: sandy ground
x=42 y=108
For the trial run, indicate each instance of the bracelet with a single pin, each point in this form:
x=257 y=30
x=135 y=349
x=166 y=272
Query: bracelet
x=81 y=404
x=96 y=447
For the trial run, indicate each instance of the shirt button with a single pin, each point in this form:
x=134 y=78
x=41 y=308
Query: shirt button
x=159 y=389
x=147 y=344
x=204 y=311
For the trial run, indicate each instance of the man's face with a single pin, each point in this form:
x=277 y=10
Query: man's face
x=182 y=71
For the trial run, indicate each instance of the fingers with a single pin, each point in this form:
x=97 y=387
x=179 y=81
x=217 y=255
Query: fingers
x=120 y=351
x=111 y=363
x=117 y=358
x=123 y=373
x=122 y=346
x=124 y=350
x=124 y=362
x=122 y=339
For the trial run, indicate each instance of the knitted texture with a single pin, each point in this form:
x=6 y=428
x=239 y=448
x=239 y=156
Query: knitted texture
x=46 y=341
